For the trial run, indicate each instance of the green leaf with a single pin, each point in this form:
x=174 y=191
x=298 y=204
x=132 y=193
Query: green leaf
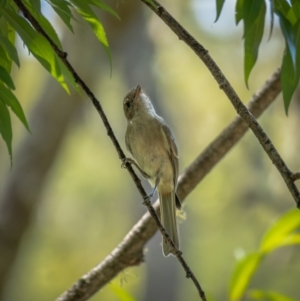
x=242 y=275
x=68 y=76
x=296 y=29
x=11 y=100
x=289 y=79
x=239 y=11
x=282 y=233
x=5 y=61
x=271 y=17
x=151 y=2
x=36 y=44
x=36 y=4
x=254 y=18
x=9 y=34
x=5 y=127
x=283 y=7
x=268 y=296
x=61 y=7
x=296 y=8
x=5 y=77
x=89 y=16
x=281 y=230
x=104 y=6
x=219 y=6
x=10 y=49
x=3 y=3
x=46 y=25
x=288 y=33
x=121 y=293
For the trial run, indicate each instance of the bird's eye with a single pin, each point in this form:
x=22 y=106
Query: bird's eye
x=127 y=104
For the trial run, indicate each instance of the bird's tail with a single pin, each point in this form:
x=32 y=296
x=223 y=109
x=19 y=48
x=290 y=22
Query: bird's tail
x=168 y=219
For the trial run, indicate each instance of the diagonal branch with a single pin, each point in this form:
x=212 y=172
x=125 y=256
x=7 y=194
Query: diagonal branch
x=296 y=176
x=224 y=84
x=63 y=56
x=130 y=251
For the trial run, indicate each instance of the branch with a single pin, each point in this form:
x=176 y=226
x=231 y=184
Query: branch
x=130 y=251
x=295 y=176
x=224 y=84
x=63 y=56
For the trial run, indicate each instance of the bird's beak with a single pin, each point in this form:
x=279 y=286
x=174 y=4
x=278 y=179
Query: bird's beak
x=137 y=92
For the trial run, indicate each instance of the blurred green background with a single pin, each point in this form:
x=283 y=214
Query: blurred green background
x=77 y=202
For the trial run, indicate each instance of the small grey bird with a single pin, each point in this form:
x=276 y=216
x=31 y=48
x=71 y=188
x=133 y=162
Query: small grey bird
x=152 y=145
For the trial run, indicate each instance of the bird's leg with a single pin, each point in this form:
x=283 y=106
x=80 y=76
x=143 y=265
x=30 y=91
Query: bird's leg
x=132 y=162
x=153 y=191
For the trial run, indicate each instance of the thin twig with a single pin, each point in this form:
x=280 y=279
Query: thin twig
x=224 y=84
x=130 y=251
x=295 y=176
x=97 y=105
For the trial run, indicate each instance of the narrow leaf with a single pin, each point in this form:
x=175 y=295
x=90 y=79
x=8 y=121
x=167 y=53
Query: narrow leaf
x=68 y=76
x=10 y=49
x=5 y=127
x=268 y=296
x=8 y=33
x=219 y=6
x=296 y=8
x=89 y=16
x=296 y=29
x=61 y=7
x=254 y=18
x=288 y=33
x=151 y=2
x=271 y=18
x=36 y=44
x=282 y=6
x=46 y=25
x=36 y=4
x=242 y=275
x=11 y=100
x=5 y=77
x=239 y=11
x=104 y=6
x=289 y=79
x=121 y=293
x=281 y=230
x=5 y=60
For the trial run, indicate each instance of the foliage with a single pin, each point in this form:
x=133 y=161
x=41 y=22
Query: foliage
x=282 y=233
x=253 y=13
x=120 y=292
x=11 y=23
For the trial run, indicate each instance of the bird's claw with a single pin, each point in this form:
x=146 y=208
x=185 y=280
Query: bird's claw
x=125 y=161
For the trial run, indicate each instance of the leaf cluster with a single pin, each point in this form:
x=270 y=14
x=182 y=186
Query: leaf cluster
x=253 y=14
x=282 y=233
x=11 y=23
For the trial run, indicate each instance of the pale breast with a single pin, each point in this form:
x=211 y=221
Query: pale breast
x=148 y=148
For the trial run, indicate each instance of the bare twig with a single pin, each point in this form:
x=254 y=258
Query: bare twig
x=63 y=56
x=295 y=176
x=130 y=251
x=224 y=84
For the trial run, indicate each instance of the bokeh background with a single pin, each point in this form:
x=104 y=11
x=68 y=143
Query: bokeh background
x=67 y=201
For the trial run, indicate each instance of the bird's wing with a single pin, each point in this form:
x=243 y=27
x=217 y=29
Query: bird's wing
x=127 y=140
x=173 y=151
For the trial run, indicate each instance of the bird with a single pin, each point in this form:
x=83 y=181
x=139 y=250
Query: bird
x=155 y=154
